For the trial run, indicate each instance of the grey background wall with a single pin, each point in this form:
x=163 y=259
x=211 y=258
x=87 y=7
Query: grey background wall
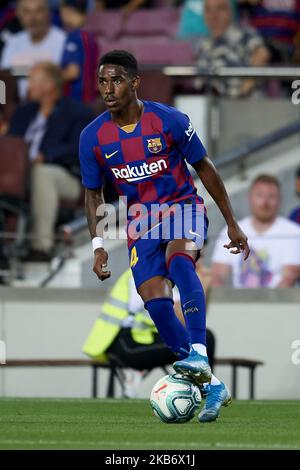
x=53 y=323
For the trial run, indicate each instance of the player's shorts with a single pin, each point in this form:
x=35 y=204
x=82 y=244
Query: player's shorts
x=188 y=220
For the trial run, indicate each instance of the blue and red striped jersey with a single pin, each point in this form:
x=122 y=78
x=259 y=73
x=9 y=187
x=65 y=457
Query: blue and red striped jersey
x=148 y=165
x=81 y=49
x=277 y=19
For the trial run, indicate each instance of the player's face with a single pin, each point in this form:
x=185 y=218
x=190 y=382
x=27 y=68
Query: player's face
x=264 y=201
x=34 y=16
x=117 y=89
x=217 y=16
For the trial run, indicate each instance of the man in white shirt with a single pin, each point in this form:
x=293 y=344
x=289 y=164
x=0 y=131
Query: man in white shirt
x=38 y=42
x=274 y=260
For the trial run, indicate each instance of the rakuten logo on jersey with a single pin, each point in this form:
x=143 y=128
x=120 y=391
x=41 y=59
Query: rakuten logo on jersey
x=136 y=173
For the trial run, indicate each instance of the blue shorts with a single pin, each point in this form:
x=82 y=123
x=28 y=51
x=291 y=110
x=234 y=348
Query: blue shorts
x=147 y=254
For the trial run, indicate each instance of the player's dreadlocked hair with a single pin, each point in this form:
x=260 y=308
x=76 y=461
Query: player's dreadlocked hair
x=123 y=58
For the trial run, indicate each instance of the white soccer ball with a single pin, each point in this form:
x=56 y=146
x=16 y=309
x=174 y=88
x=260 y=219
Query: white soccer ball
x=175 y=399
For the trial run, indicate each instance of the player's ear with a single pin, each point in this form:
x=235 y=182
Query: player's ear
x=135 y=83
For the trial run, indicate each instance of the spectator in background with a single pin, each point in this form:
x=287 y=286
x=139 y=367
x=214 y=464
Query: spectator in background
x=295 y=214
x=228 y=45
x=51 y=125
x=192 y=23
x=38 y=42
x=274 y=259
x=9 y=22
x=278 y=22
x=81 y=53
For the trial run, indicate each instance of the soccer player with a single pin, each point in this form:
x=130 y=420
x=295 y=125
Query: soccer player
x=142 y=148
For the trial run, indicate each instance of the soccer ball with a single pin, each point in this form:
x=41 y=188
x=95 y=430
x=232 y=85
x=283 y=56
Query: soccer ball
x=175 y=398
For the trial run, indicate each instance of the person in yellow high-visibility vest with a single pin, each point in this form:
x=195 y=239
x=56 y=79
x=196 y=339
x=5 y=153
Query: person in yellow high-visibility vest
x=125 y=333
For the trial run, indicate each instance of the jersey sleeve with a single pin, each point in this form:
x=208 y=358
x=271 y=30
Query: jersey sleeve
x=186 y=138
x=91 y=171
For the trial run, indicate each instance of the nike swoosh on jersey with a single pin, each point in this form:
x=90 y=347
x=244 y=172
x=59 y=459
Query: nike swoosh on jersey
x=194 y=233
x=111 y=154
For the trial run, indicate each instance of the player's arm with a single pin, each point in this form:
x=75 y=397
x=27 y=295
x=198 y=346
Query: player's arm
x=290 y=276
x=215 y=186
x=94 y=201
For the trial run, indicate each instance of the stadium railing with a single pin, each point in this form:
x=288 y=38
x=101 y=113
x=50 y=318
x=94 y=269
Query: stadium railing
x=284 y=73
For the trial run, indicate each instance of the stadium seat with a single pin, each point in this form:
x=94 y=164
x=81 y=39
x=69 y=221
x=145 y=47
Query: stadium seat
x=13 y=166
x=153 y=50
x=143 y=22
x=107 y=24
x=13 y=177
x=157 y=21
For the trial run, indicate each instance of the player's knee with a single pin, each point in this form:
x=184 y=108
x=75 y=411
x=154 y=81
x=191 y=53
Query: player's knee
x=181 y=247
x=178 y=261
x=156 y=287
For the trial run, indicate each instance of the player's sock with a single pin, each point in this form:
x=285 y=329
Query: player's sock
x=173 y=333
x=192 y=297
x=214 y=380
x=200 y=348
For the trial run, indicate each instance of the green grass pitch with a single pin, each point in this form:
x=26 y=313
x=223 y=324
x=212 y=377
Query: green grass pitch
x=130 y=424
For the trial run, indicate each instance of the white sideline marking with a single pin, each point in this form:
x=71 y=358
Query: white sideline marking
x=159 y=444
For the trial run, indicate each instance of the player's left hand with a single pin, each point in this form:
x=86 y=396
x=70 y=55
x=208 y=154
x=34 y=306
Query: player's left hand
x=239 y=241
x=100 y=264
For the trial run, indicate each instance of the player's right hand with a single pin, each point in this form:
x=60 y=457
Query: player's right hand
x=100 y=264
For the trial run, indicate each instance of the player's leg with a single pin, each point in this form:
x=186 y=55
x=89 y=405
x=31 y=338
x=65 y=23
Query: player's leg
x=180 y=258
x=157 y=296
x=147 y=261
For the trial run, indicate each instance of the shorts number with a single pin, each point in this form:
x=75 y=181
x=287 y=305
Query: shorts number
x=134 y=257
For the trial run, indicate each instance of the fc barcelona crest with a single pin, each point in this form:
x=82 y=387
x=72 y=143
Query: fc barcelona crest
x=154 y=145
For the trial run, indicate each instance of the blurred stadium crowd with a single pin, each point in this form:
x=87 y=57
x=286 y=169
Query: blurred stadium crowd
x=49 y=52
